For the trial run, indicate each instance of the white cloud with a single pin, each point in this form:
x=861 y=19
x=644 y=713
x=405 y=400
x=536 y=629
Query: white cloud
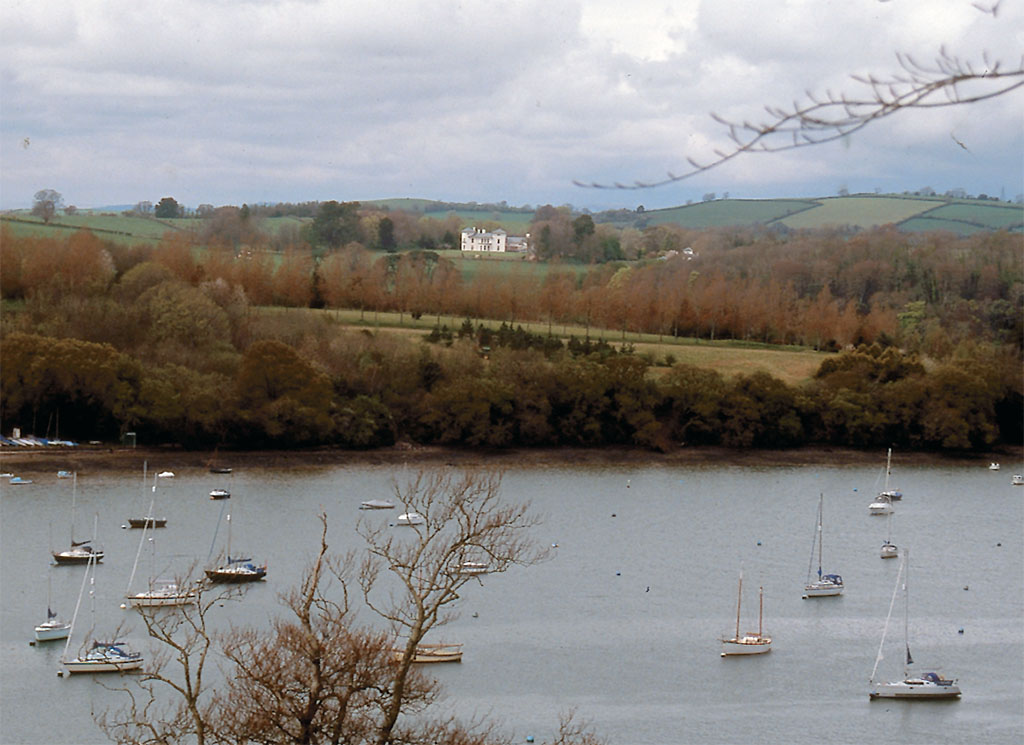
x=285 y=100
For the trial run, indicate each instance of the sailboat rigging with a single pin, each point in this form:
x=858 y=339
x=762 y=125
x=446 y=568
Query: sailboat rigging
x=236 y=569
x=883 y=502
x=826 y=584
x=150 y=520
x=53 y=627
x=749 y=643
x=161 y=592
x=889 y=550
x=926 y=686
x=99 y=656
x=80 y=552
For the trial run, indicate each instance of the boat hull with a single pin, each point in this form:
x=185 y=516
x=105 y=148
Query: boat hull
x=746 y=646
x=234 y=576
x=429 y=654
x=160 y=600
x=47 y=632
x=916 y=690
x=102 y=666
x=77 y=557
x=822 y=591
x=147 y=522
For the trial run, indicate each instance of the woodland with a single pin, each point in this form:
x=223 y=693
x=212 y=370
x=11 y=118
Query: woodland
x=224 y=336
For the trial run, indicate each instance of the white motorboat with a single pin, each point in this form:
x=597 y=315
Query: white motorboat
x=993 y=466
x=165 y=475
x=410 y=518
x=376 y=504
x=220 y=494
x=881 y=506
x=426 y=653
x=473 y=567
x=750 y=642
x=1017 y=480
x=826 y=584
x=923 y=687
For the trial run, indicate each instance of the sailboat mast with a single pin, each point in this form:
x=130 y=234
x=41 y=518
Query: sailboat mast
x=739 y=601
x=888 y=466
x=906 y=615
x=760 y=612
x=74 y=496
x=821 y=505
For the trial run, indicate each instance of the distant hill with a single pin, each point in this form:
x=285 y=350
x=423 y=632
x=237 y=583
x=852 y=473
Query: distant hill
x=911 y=213
x=863 y=211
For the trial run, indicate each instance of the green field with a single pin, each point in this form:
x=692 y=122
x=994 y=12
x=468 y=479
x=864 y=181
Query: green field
x=726 y=212
x=793 y=365
x=861 y=212
x=910 y=213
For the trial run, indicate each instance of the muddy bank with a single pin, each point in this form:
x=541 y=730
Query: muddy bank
x=96 y=458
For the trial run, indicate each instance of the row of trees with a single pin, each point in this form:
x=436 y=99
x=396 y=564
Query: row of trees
x=354 y=391
x=926 y=293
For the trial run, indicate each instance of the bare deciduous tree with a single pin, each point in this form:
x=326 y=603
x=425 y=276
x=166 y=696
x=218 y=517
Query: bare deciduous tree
x=316 y=677
x=179 y=668
x=463 y=520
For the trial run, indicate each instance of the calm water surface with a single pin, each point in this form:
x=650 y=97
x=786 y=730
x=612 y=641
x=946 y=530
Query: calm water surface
x=621 y=624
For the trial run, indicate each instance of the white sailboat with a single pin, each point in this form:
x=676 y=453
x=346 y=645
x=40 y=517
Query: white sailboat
x=923 y=687
x=883 y=502
x=53 y=627
x=826 y=584
x=889 y=550
x=749 y=643
x=97 y=656
x=161 y=592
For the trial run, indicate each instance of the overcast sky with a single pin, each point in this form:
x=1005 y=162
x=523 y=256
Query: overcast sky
x=232 y=101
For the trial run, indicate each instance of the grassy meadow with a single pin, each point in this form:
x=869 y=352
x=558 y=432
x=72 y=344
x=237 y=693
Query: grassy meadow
x=792 y=365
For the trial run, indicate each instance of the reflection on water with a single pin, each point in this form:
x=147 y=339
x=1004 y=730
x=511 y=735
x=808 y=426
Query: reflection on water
x=621 y=623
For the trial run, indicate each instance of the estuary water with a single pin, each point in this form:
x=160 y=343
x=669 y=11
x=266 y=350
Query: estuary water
x=620 y=624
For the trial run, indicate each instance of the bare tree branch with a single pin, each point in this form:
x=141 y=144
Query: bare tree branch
x=949 y=81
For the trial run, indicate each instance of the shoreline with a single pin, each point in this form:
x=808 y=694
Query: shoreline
x=83 y=458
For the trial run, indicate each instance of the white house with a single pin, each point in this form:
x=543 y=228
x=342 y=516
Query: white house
x=476 y=239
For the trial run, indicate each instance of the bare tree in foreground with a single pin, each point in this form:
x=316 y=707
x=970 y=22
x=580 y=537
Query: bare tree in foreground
x=317 y=677
x=179 y=668
x=463 y=520
x=948 y=81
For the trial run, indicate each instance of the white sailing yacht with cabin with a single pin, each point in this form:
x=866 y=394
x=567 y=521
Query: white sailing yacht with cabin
x=923 y=687
x=883 y=502
x=96 y=656
x=161 y=592
x=53 y=627
x=826 y=584
x=749 y=643
x=889 y=550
